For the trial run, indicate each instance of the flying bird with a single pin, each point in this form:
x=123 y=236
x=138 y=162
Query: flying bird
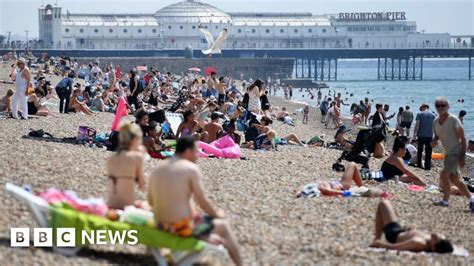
x=214 y=47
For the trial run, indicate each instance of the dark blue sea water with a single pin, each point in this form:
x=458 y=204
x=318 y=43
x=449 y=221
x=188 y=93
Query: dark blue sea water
x=440 y=78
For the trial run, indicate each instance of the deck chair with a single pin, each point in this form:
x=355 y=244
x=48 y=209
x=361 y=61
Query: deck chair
x=183 y=251
x=175 y=120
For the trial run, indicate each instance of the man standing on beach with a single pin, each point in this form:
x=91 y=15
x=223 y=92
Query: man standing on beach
x=172 y=185
x=406 y=121
x=449 y=130
x=424 y=135
x=22 y=82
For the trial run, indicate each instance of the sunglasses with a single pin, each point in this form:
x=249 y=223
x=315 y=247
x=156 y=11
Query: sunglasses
x=440 y=105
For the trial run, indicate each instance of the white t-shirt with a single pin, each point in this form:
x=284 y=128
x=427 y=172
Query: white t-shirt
x=411 y=149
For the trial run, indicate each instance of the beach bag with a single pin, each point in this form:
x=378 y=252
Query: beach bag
x=113 y=141
x=85 y=133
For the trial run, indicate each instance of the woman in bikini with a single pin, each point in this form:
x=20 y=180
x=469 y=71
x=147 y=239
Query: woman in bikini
x=338 y=188
x=79 y=106
x=125 y=168
x=394 y=165
x=189 y=127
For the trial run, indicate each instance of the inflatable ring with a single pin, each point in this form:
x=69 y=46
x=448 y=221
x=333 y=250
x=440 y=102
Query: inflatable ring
x=437 y=156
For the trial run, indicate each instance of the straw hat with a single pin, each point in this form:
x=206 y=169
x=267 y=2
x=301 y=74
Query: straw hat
x=21 y=60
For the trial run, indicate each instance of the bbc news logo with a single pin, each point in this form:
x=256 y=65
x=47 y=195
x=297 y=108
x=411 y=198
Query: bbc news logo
x=66 y=237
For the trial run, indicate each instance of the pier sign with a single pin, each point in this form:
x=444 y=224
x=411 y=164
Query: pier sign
x=366 y=16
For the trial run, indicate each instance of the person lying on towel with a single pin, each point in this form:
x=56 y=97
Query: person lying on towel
x=399 y=238
x=172 y=184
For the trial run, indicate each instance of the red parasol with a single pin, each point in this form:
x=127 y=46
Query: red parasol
x=142 y=68
x=197 y=69
x=210 y=70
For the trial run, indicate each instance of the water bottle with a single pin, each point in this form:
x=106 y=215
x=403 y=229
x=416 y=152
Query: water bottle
x=396 y=179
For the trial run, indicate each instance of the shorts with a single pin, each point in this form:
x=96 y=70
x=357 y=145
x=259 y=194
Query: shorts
x=197 y=226
x=451 y=163
x=323 y=113
x=405 y=124
x=221 y=98
x=391 y=231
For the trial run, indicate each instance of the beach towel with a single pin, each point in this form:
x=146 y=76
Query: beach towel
x=415 y=188
x=92 y=205
x=67 y=218
x=457 y=251
x=120 y=112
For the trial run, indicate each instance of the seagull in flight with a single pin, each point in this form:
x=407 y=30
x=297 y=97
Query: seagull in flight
x=214 y=47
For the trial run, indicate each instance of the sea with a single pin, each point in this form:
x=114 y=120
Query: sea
x=447 y=78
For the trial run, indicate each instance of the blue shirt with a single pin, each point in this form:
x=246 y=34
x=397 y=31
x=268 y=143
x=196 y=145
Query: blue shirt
x=324 y=105
x=425 y=129
x=65 y=83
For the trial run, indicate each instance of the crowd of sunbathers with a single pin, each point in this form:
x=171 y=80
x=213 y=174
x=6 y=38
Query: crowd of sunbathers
x=212 y=107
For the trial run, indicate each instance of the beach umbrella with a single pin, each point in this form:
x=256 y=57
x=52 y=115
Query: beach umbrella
x=210 y=70
x=142 y=68
x=197 y=69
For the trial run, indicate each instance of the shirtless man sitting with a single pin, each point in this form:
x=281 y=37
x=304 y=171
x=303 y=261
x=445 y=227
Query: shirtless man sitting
x=213 y=128
x=172 y=184
x=399 y=238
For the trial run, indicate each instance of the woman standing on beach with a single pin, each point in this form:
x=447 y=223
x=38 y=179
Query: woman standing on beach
x=255 y=92
x=125 y=168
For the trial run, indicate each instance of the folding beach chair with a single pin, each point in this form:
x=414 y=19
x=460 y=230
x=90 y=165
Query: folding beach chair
x=183 y=251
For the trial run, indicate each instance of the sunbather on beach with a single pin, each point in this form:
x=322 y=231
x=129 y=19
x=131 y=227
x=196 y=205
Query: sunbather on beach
x=79 y=105
x=125 y=168
x=399 y=238
x=152 y=140
x=231 y=132
x=394 y=165
x=35 y=107
x=172 y=184
x=6 y=102
x=340 y=188
x=189 y=127
x=213 y=129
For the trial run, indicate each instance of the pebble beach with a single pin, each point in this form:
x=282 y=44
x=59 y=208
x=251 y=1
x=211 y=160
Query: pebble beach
x=273 y=227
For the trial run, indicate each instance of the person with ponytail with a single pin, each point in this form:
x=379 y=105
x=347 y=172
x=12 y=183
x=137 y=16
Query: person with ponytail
x=125 y=168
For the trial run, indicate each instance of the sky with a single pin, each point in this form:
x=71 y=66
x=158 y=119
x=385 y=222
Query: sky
x=452 y=16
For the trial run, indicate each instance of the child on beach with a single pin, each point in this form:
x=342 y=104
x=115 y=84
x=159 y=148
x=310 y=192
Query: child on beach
x=6 y=102
x=305 y=114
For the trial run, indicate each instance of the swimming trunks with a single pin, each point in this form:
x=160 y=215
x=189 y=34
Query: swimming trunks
x=196 y=226
x=392 y=230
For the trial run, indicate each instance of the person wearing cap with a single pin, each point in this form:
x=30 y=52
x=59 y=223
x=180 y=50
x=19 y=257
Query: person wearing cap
x=22 y=82
x=423 y=134
x=449 y=130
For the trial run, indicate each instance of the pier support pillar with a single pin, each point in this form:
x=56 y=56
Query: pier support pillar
x=378 y=68
x=470 y=68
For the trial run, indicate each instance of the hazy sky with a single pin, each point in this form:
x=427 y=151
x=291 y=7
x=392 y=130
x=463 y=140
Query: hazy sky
x=452 y=16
